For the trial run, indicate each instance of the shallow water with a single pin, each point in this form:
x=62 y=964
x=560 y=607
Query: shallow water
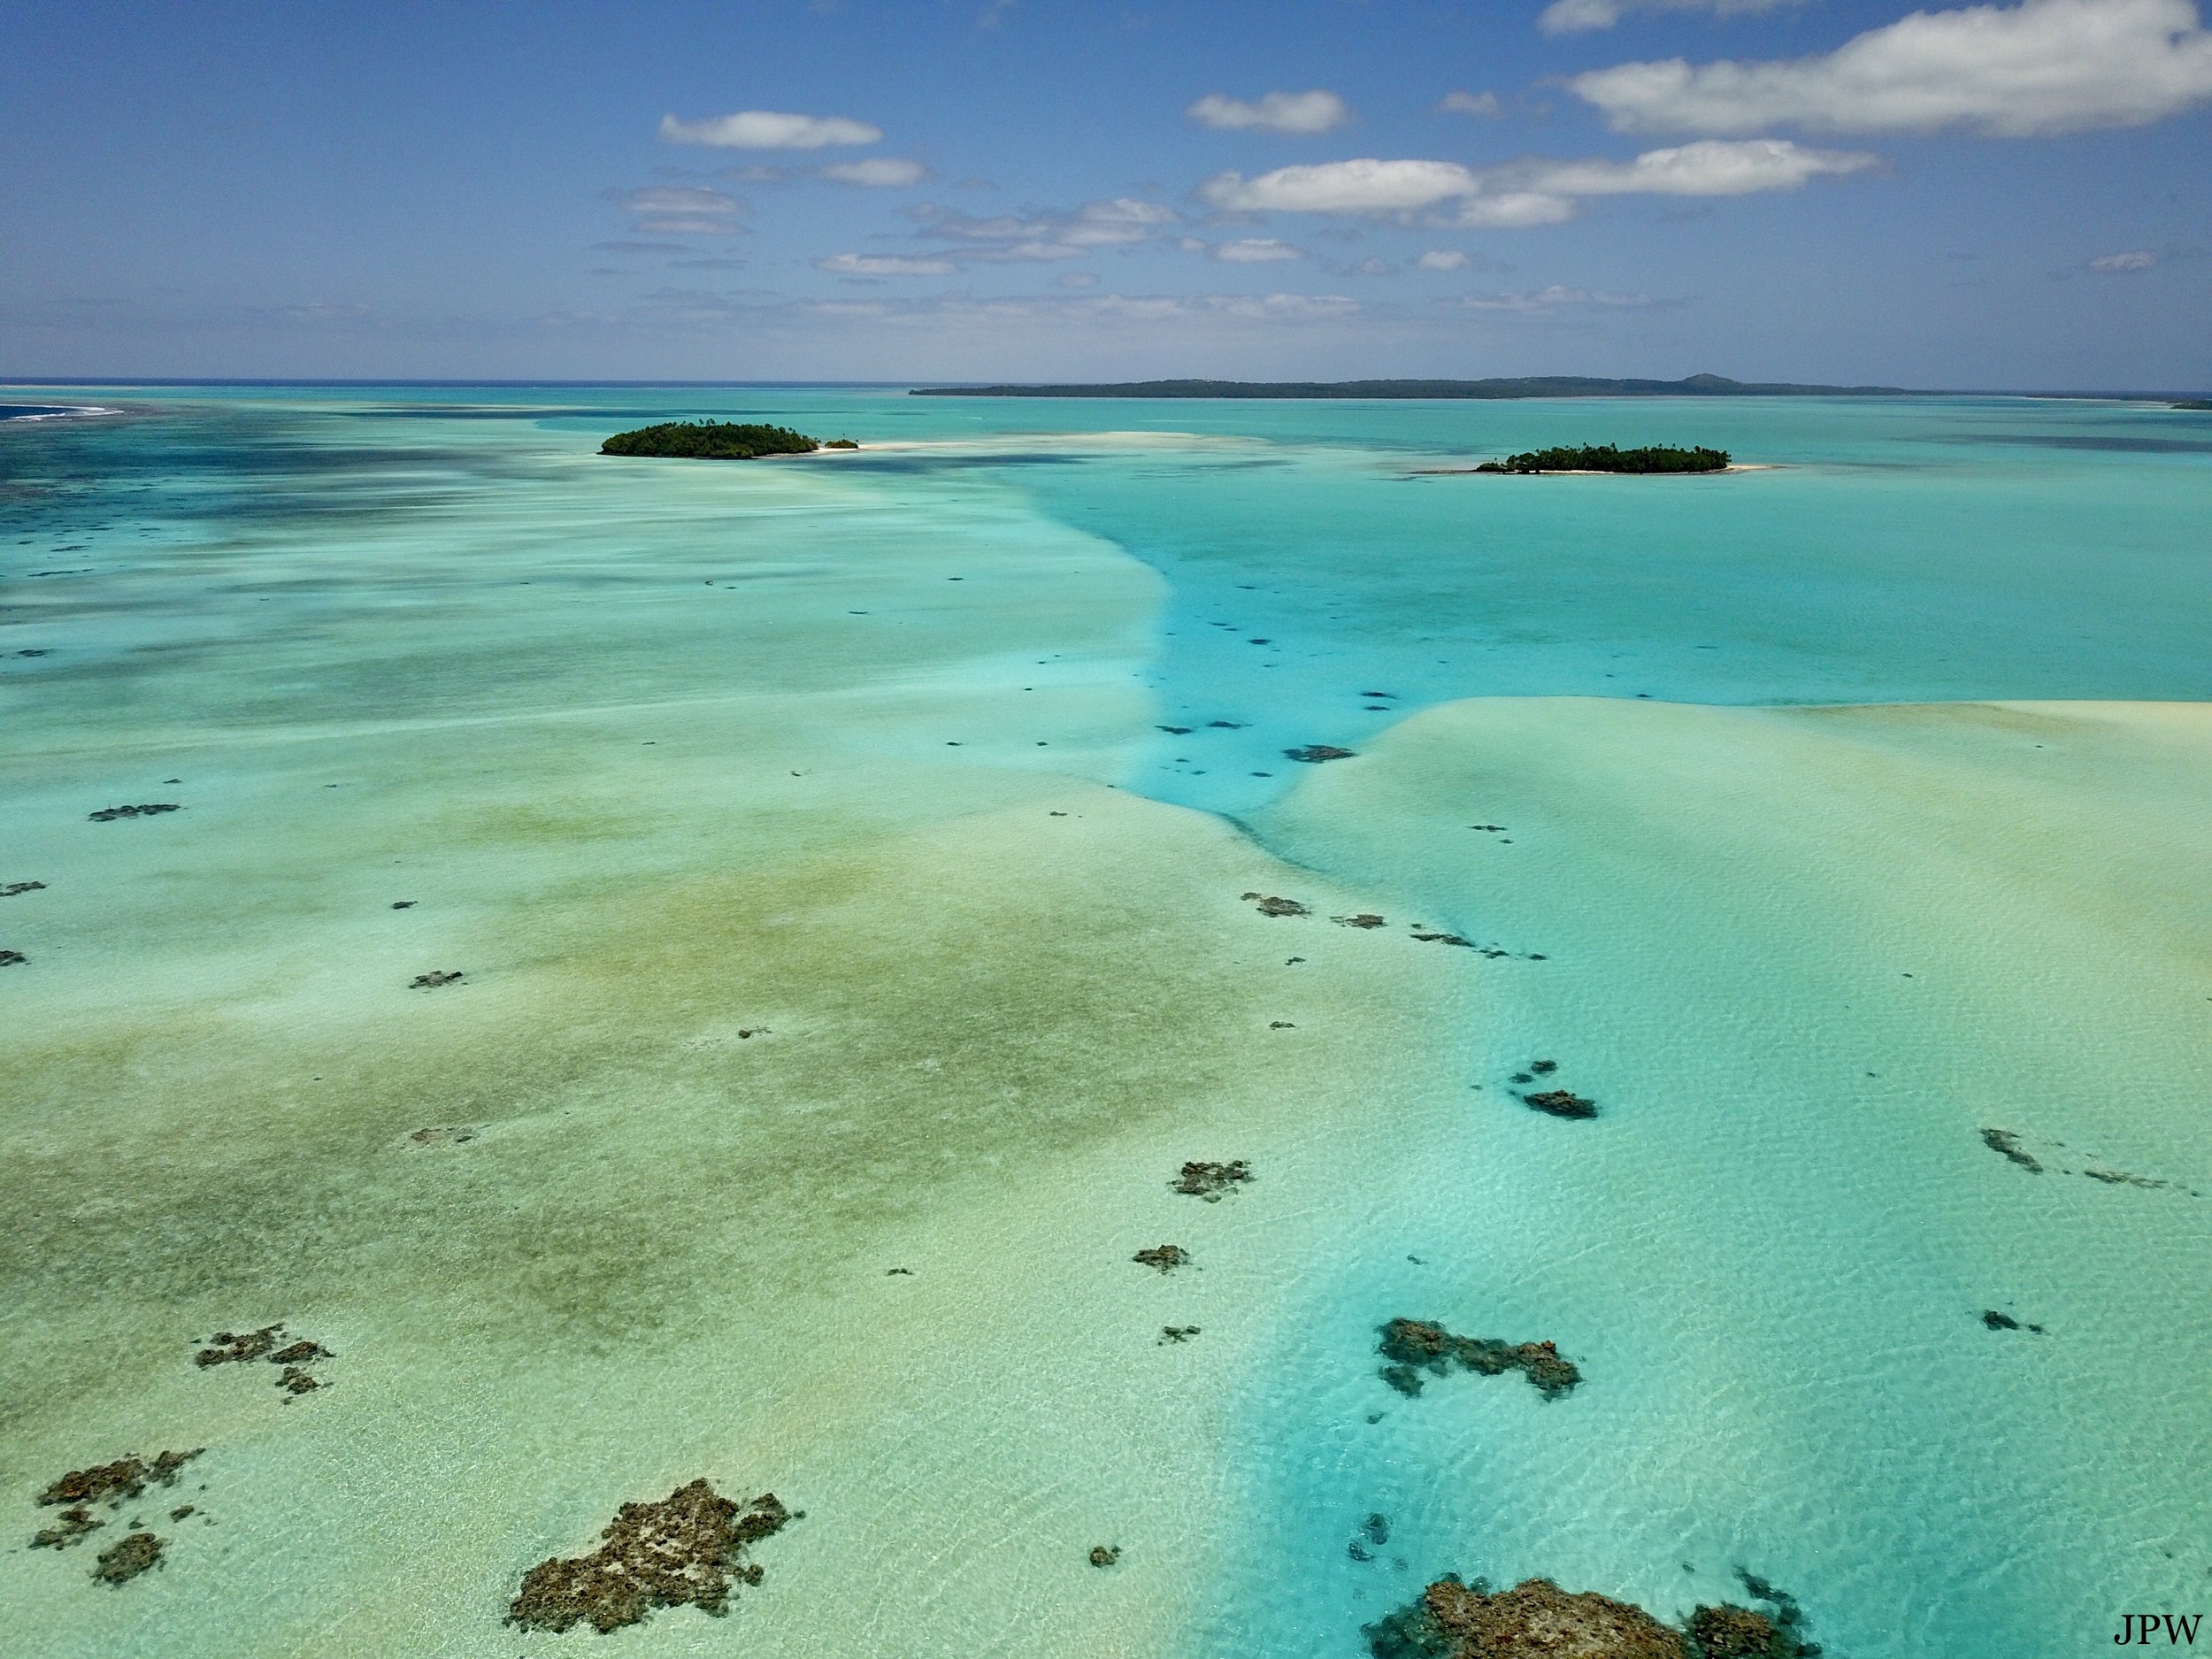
x=829 y=899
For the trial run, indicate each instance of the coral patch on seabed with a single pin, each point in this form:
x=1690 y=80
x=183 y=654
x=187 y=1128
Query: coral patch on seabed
x=2006 y=1144
x=115 y=1485
x=1270 y=906
x=1414 y=1346
x=1166 y=1257
x=73 y=1527
x=1536 y=1619
x=127 y=1557
x=109 y=814
x=1560 y=1102
x=1210 y=1181
x=685 y=1549
x=431 y=981
x=1314 y=754
x=118 y=1481
x=227 y=1348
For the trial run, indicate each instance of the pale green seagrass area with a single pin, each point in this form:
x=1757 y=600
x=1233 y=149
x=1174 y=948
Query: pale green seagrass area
x=993 y=1005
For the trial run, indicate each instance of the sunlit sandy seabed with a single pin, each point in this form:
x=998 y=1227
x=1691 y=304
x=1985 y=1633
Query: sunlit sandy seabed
x=830 y=899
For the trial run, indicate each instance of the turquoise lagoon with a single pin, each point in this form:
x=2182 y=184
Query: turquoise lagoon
x=833 y=894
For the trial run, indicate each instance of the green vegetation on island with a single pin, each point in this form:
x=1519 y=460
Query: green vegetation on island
x=2193 y=403
x=1605 y=458
x=714 y=441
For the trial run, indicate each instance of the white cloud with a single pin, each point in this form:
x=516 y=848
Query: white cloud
x=765 y=129
x=1373 y=265
x=1710 y=166
x=1315 y=112
x=1548 y=299
x=1572 y=16
x=2043 y=66
x=1514 y=210
x=1365 y=186
x=887 y=172
x=1076 y=279
x=680 y=210
x=1535 y=190
x=2140 y=259
x=1441 y=259
x=1257 y=251
x=1250 y=307
x=1481 y=103
x=1120 y=221
x=871 y=265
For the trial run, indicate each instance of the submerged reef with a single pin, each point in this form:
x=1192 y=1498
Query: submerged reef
x=115 y=1485
x=1374 y=1533
x=713 y=441
x=227 y=1348
x=432 y=980
x=1314 y=754
x=1269 y=905
x=1416 y=1346
x=686 y=1549
x=12 y=958
x=1364 y=919
x=1105 y=1554
x=73 y=1526
x=117 y=1482
x=1210 y=1181
x=1166 y=1257
x=8 y=890
x=1561 y=1103
x=230 y=1347
x=1606 y=457
x=2006 y=1144
x=125 y=1559
x=1454 y=1620
x=109 y=814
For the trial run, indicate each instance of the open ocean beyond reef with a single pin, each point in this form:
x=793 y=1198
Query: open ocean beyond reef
x=851 y=862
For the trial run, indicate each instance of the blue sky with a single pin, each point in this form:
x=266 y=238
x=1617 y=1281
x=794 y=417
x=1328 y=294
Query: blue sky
x=2005 y=195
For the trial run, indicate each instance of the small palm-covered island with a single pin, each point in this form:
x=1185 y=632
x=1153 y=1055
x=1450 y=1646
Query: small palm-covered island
x=1606 y=457
x=716 y=441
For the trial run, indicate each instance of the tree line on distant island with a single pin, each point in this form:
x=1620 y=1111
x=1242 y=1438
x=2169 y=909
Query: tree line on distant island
x=1606 y=457
x=716 y=441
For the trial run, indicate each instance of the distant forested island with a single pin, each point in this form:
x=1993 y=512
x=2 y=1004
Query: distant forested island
x=2194 y=402
x=1530 y=386
x=716 y=441
x=1606 y=457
